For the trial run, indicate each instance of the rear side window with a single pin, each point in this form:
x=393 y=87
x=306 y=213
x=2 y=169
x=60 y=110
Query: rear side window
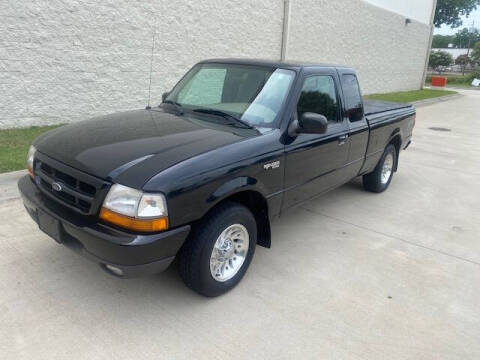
x=318 y=96
x=353 y=99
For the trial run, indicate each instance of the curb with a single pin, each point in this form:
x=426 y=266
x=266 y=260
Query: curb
x=8 y=177
x=425 y=102
x=8 y=185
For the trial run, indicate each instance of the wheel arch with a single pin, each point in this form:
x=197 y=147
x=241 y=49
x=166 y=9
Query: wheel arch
x=396 y=141
x=246 y=191
x=258 y=205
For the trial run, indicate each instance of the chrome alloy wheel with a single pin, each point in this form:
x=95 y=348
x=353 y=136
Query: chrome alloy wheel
x=387 y=168
x=229 y=252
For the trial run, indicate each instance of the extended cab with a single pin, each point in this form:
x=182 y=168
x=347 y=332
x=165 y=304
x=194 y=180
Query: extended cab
x=200 y=177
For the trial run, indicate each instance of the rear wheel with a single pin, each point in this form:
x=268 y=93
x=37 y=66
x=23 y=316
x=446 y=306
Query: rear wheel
x=217 y=254
x=379 y=179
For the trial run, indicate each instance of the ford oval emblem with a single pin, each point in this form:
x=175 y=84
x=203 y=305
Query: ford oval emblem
x=56 y=186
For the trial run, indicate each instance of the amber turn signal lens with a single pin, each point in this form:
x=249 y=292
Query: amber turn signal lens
x=30 y=172
x=127 y=222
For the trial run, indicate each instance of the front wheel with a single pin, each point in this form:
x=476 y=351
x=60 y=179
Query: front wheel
x=379 y=179
x=217 y=254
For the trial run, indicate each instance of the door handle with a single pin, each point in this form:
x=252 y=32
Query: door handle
x=342 y=139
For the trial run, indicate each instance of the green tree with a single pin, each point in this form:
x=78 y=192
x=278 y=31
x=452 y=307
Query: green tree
x=442 y=41
x=465 y=38
x=476 y=53
x=439 y=60
x=463 y=61
x=449 y=12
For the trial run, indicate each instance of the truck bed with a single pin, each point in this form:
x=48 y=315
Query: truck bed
x=384 y=120
x=376 y=106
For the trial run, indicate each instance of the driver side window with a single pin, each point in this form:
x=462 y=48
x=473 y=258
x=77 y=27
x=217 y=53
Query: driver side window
x=205 y=88
x=319 y=96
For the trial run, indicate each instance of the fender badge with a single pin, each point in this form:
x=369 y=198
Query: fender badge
x=272 y=165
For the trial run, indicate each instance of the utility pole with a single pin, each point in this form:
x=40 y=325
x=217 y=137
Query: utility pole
x=464 y=65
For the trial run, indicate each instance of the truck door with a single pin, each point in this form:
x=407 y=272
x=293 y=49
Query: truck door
x=356 y=120
x=315 y=162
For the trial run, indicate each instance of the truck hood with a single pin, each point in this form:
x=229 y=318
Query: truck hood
x=131 y=147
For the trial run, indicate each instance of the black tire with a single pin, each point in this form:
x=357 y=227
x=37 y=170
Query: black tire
x=194 y=256
x=373 y=181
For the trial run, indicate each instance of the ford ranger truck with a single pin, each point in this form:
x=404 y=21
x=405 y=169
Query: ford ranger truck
x=200 y=178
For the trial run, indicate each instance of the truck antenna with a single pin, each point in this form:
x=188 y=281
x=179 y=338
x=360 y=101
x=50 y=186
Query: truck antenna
x=148 y=107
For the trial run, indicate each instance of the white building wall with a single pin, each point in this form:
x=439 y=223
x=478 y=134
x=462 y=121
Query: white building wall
x=455 y=52
x=67 y=60
x=388 y=54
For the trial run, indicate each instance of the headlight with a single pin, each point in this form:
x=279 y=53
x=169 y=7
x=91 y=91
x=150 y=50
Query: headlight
x=132 y=209
x=152 y=205
x=123 y=200
x=30 y=156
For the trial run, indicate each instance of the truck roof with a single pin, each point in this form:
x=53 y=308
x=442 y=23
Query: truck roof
x=273 y=63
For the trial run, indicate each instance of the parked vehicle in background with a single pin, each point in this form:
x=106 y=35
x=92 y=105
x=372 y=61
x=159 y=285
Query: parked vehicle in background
x=200 y=178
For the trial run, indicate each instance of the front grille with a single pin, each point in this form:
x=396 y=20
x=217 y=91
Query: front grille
x=69 y=186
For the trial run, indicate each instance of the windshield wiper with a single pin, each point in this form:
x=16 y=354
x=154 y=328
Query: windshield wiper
x=178 y=106
x=225 y=116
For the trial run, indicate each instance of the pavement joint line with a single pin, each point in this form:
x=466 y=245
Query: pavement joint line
x=393 y=237
x=442 y=168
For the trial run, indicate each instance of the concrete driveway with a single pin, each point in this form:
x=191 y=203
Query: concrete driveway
x=351 y=275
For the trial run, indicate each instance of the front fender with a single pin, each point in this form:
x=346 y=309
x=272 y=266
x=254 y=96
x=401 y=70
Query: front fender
x=232 y=186
x=194 y=185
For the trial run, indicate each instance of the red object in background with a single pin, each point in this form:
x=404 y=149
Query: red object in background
x=439 y=81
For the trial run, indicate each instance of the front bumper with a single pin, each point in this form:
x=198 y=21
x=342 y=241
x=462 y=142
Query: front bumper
x=118 y=252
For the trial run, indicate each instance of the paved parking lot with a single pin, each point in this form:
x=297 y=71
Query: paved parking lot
x=351 y=275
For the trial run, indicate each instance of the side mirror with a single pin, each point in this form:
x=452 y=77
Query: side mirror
x=310 y=123
x=165 y=95
x=355 y=114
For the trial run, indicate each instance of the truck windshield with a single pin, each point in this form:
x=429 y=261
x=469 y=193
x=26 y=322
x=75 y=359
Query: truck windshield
x=253 y=94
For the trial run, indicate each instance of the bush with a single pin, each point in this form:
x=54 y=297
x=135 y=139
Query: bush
x=476 y=53
x=475 y=75
x=456 y=79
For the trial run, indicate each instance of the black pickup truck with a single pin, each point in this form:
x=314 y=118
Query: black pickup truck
x=200 y=177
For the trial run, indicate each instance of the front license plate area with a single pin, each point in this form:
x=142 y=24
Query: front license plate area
x=49 y=225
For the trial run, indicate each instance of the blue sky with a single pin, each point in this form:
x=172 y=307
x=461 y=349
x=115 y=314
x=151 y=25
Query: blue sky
x=467 y=22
